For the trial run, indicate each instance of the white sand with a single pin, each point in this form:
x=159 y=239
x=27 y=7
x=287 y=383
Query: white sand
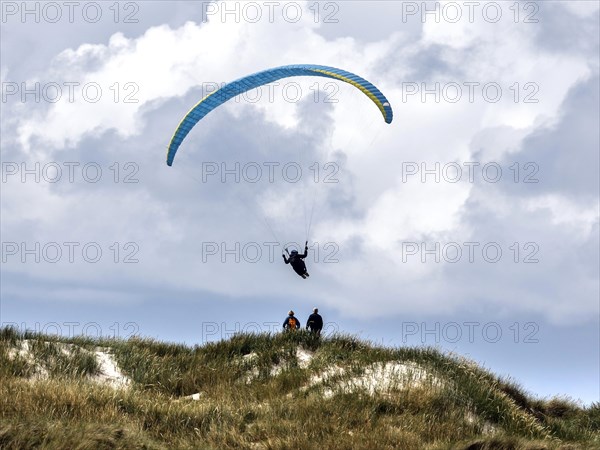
x=110 y=373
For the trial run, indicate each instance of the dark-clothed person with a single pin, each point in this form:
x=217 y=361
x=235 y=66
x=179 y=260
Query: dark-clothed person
x=296 y=261
x=315 y=322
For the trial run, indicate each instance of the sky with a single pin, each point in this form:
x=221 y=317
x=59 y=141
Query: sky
x=470 y=223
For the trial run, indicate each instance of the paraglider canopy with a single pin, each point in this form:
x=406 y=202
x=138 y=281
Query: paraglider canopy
x=227 y=92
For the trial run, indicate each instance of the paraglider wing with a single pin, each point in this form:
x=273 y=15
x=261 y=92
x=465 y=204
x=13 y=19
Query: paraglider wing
x=227 y=92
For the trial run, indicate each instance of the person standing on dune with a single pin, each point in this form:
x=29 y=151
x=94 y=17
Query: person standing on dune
x=291 y=323
x=315 y=322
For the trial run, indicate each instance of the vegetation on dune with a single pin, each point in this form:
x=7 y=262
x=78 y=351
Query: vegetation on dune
x=263 y=391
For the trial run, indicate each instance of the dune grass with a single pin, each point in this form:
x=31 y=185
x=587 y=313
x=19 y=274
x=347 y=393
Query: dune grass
x=255 y=393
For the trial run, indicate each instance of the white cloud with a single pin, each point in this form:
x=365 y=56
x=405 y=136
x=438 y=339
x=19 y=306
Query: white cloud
x=580 y=218
x=169 y=63
x=581 y=8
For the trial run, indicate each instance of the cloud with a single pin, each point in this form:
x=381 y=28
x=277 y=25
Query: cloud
x=371 y=213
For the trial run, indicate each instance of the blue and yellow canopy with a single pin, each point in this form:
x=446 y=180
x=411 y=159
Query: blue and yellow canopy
x=227 y=92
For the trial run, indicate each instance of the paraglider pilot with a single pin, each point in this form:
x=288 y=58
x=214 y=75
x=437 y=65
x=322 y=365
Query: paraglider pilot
x=296 y=260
